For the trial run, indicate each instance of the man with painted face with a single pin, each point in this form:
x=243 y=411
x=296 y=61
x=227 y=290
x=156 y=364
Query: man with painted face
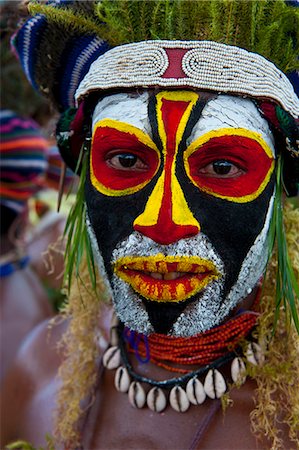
x=195 y=172
x=179 y=146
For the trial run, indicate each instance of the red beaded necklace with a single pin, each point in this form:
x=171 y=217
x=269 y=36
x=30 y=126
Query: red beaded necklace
x=169 y=352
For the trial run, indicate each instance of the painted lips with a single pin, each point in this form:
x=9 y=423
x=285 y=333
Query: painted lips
x=166 y=278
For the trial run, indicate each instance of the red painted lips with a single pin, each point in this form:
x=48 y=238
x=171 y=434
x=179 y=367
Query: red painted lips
x=166 y=278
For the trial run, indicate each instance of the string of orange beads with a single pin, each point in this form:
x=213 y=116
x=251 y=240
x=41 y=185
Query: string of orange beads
x=168 y=351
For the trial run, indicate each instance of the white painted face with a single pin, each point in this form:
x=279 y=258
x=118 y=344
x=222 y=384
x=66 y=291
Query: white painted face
x=220 y=198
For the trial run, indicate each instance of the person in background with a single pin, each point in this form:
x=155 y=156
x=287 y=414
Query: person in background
x=44 y=230
x=23 y=162
x=45 y=238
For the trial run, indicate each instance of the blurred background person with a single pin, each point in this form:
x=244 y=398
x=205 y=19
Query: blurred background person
x=23 y=300
x=45 y=240
x=32 y=246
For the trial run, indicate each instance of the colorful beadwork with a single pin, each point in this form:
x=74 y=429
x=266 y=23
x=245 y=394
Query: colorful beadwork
x=169 y=352
x=155 y=63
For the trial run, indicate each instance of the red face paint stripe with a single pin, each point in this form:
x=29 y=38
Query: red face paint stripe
x=109 y=142
x=171 y=114
x=245 y=153
x=165 y=230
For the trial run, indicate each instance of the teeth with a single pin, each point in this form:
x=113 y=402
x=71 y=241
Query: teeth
x=166 y=276
x=156 y=275
x=172 y=275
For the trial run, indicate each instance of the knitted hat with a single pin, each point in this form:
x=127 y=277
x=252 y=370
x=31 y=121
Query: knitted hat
x=22 y=160
x=57 y=55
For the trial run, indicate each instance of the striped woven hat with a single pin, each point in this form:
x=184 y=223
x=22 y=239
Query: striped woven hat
x=60 y=53
x=23 y=160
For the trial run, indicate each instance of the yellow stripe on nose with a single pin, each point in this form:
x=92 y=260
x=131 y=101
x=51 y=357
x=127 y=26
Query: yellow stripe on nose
x=167 y=217
x=150 y=215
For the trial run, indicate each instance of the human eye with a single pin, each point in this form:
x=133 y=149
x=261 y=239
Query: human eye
x=127 y=161
x=236 y=167
x=121 y=162
x=222 y=168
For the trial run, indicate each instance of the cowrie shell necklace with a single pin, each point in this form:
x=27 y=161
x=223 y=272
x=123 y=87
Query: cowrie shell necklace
x=180 y=392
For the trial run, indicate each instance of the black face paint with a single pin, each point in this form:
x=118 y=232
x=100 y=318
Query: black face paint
x=230 y=227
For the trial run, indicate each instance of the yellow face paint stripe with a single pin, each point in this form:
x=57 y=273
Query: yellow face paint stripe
x=151 y=212
x=141 y=136
x=194 y=146
x=176 y=96
x=181 y=214
x=158 y=263
x=134 y=271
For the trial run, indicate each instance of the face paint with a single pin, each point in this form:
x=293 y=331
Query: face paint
x=164 y=278
x=178 y=201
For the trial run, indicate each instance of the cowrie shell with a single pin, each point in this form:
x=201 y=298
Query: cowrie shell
x=214 y=384
x=178 y=399
x=195 y=391
x=156 y=400
x=136 y=395
x=254 y=354
x=111 y=358
x=238 y=371
x=122 y=379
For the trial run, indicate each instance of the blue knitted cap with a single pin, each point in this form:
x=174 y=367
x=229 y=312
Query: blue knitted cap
x=57 y=73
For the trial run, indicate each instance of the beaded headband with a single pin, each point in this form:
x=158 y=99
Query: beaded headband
x=203 y=65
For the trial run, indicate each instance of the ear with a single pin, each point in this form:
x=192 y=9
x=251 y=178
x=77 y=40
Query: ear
x=72 y=129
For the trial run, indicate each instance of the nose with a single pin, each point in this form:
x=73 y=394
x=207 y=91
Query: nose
x=167 y=217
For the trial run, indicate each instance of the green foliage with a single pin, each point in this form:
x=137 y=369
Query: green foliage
x=72 y=18
x=268 y=27
x=25 y=445
x=78 y=243
x=287 y=289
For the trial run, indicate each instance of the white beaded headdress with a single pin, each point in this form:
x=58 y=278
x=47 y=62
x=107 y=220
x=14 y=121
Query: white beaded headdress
x=205 y=65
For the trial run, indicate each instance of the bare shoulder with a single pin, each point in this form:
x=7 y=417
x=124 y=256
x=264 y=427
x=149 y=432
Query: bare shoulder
x=32 y=376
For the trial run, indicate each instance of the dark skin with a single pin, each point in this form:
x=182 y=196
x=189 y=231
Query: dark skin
x=29 y=401
x=112 y=422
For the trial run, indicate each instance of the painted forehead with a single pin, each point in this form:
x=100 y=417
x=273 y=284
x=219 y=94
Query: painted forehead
x=124 y=107
x=225 y=111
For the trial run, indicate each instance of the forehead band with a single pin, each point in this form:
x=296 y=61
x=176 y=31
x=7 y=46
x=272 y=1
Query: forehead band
x=205 y=65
